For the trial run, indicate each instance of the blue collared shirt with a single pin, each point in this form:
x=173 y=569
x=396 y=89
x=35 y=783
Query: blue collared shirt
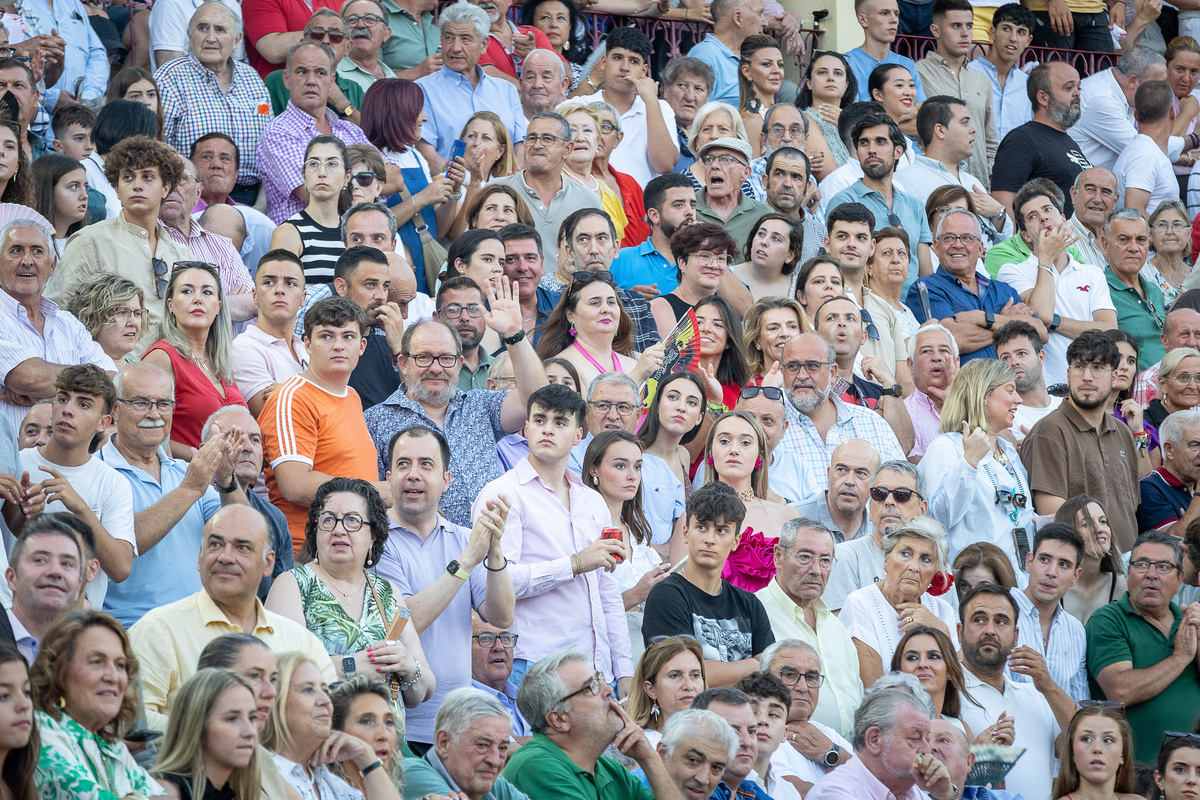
x=157 y=577
x=724 y=62
x=508 y=699
x=862 y=65
x=1011 y=103
x=749 y=790
x=85 y=62
x=450 y=101
x=911 y=214
x=1065 y=651
x=643 y=265
x=948 y=296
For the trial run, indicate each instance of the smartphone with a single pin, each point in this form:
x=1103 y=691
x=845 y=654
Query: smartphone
x=613 y=534
x=456 y=151
x=678 y=566
x=1021 y=544
x=143 y=736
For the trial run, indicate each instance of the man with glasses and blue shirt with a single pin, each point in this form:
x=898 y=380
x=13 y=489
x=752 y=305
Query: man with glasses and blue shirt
x=491 y=669
x=1142 y=648
x=461 y=303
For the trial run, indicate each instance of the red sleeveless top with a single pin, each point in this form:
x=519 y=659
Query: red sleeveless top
x=195 y=396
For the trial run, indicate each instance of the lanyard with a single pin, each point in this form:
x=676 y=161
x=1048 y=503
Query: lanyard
x=1009 y=508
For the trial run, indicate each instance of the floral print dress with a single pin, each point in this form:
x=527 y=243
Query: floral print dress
x=326 y=619
x=76 y=764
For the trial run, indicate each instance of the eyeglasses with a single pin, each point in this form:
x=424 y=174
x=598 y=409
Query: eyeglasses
x=1079 y=368
x=1177 y=225
x=791 y=677
x=1005 y=496
x=607 y=127
x=588 y=277
x=810 y=367
x=123 y=313
x=604 y=406
x=160 y=276
x=454 y=311
x=880 y=493
x=705 y=258
x=332 y=34
x=770 y=392
x=965 y=239
x=722 y=158
x=142 y=404
x=363 y=179
x=544 y=138
x=351 y=522
x=487 y=640
x=1142 y=566
x=366 y=20
x=1186 y=379
x=316 y=164
x=425 y=360
x=594 y=685
x=803 y=558
x=777 y=131
x=8 y=52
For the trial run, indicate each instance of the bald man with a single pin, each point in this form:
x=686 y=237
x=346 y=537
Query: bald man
x=544 y=82
x=843 y=507
x=235 y=554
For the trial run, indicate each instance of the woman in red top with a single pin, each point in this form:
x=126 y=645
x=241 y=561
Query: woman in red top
x=192 y=344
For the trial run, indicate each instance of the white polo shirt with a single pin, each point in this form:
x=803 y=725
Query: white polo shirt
x=1034 y=728
x=1080 y=290
x=632 y=155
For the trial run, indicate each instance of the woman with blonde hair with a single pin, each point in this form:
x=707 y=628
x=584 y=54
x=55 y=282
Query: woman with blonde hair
x=211 y=746
x=192 y=343
x=1173 y=393
x=666 y=680
x=111 y=309
x=977 y=484
x=1096 y=760
x=362 y=707
x=737 y=457
x=301 y=724
x=84 y=683
x=770 y=323
x=489 y=154
x=585 y=122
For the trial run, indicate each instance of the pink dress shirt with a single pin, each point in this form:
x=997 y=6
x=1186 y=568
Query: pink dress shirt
x=926 y=421
x=853 y=781
x=557 y=610
x=260 y=360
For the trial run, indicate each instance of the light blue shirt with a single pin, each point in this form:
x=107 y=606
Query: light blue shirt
x=508 y=699
x=1010 y=104
x=662 y=497
x=724 y=62
x=910 y=212
x=1065 y=653
x=85 y=63
x=164 y=573
x=862 y=65
x=450 y=101
x=643 y=265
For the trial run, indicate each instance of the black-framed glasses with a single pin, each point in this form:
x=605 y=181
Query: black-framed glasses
x=1017 y=499
x=454 y=311
x=607 y=128
x=811 y=367
x=425 y=360
x=770 y=392
x=319 y=34
x=488 y=640
x=880 y=494
x=142 y=404
x=868 y=324
x=604 y=406
x=364 y=179
x=160 y=276
x=791 y=677
x=351 y=522
x=367 y=20
x=1142 y=566
x=966 y=239
x=595 y=685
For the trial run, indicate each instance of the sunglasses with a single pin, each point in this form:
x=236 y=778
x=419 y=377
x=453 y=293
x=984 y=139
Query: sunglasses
x=1116 y=705
x=770 y=392
x=364 y=179
x=1005 y=496
x=598 y=275
x=895 y=222
x=160 y=276
x=1171 y=735
x=318 y=34
x=869 y=324
x=880 y=494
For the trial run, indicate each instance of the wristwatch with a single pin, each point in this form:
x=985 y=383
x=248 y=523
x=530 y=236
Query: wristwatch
x=349 y=667
x=894 y=391
x=832 y=758
x=1055 y=321
x=348 y=111
x=989 y=319
x=509 y=341
x=455 y=569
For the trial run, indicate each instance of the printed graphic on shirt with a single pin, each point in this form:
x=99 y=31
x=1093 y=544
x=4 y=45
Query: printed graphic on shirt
x=722 y=639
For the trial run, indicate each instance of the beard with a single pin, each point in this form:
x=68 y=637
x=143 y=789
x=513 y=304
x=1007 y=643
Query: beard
x=1064 y=115
x=428 y=397
x=811 y=404
x=1031 y=378
x=1090 y=405
x=990 y=663
x=668 y=228
x=878 y=171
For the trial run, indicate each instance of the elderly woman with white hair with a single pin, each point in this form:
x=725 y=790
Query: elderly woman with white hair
x=1178 y=385
x=471 y=743
x=696 y=745
x=714 y=120
x=878 y=615
x=978 y=487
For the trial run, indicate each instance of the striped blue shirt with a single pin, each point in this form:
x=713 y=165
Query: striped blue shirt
x=1065 y=651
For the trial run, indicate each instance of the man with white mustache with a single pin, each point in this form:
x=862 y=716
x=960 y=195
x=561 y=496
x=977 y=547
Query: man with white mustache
x=508 y=44
x=172 y=499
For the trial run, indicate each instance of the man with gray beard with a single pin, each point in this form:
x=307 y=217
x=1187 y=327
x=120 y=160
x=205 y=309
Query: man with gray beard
x=544 y=82
x=824 y=420
x=1042 y=148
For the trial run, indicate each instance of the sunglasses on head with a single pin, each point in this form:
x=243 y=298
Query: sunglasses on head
x=1115 y=705
x=770 y=392
x=588 y=277
x=880 y=493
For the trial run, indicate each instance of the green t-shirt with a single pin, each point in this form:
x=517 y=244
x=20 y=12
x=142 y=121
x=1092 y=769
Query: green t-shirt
x=280 y=95
x=421 y=778
x=541 y=769
x=1141 y=319
x=1013 y=250
x=1117 y=633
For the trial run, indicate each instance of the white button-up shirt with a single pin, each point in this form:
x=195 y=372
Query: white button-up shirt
x=1010 y=103
x=1106 y=126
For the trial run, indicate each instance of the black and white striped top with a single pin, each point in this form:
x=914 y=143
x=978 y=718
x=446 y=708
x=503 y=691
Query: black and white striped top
x=320 y=248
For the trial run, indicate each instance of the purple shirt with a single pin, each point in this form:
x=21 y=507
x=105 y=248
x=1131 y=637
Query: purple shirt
x=557 y=610
x=853 y=781
x=281 y=155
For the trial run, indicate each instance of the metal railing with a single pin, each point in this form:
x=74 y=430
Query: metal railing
x=1086 y=61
